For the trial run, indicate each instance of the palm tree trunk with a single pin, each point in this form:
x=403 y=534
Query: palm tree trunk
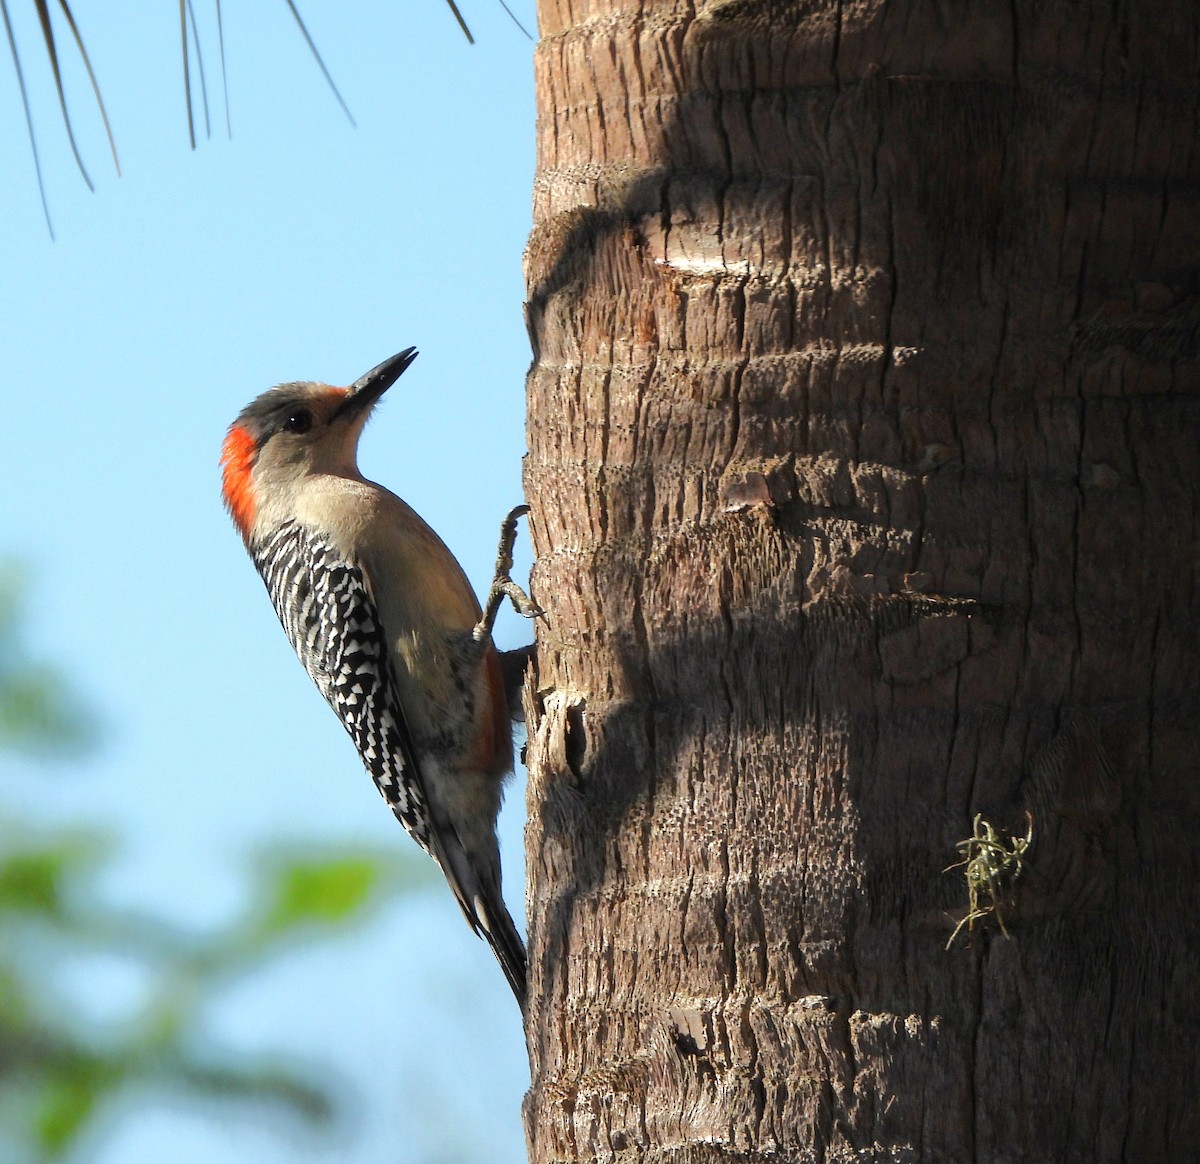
x=864 y=466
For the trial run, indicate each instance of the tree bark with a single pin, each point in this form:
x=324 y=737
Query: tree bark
x=863 y=433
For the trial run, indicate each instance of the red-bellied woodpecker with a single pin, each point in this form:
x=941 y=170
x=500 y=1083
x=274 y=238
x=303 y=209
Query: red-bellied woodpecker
x=386 y=624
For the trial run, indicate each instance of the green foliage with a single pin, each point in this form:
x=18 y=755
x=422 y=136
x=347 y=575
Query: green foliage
x=307 y=892
x=39 y=874
x=57 y=1068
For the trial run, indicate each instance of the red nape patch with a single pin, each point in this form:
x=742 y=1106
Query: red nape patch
x=237 y=460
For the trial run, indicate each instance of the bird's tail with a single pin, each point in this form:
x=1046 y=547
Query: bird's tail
x=496 y=925
x=477 y=890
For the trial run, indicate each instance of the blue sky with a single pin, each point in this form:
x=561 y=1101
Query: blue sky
x=299 y=249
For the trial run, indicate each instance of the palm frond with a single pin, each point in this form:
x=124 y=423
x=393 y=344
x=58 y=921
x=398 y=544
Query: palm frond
x=191 y=13
x=187 y=73
x=461 y=22
x=513 y=17
x=224 y=77
x=43 y=12
x=87 y=64
x=313 y=49
x=467 y=32
x=37 y=162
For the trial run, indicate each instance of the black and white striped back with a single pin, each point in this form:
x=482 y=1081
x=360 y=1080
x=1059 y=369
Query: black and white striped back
x=331 y=620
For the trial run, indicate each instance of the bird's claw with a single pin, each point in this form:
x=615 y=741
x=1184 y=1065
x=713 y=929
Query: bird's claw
x=502 y=584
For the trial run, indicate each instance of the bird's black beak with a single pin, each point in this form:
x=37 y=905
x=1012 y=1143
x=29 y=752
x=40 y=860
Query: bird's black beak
x=362 y=395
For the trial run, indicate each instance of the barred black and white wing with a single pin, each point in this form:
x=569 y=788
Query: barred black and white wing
x=331 y=621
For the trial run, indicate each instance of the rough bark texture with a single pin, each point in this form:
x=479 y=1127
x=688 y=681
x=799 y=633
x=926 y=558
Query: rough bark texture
x=864 y=469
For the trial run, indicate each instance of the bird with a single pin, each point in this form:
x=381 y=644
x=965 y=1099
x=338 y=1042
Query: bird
x=387 y=626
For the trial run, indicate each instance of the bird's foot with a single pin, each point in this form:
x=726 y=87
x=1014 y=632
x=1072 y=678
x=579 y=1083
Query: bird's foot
x=502 y=584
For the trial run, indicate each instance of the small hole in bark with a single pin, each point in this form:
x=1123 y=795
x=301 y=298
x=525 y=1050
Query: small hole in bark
x=576 y=741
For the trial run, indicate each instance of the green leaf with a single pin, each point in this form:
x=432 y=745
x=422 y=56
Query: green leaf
x=33 y=882
x=67 y=1101
x=321 y=892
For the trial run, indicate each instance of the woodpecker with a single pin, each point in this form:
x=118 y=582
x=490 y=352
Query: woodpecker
x=387 y=626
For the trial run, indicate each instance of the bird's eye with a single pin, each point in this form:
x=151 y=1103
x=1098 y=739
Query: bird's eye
x=299 y=421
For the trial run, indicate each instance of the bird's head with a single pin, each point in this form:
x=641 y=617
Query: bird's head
x=294 y=430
